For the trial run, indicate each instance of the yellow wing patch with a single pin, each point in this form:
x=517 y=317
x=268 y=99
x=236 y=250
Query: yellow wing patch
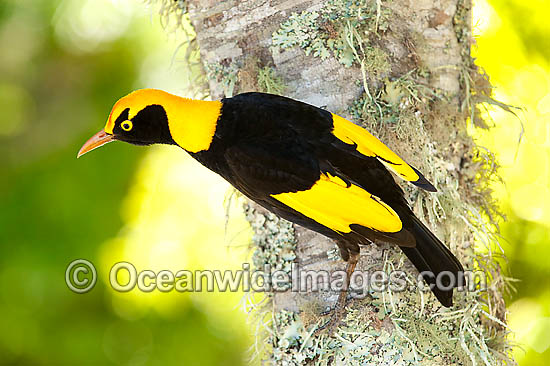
x=332 y=204
x=369 y=145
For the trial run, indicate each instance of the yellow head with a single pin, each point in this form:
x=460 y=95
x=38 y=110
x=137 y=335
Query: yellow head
x=151 y=116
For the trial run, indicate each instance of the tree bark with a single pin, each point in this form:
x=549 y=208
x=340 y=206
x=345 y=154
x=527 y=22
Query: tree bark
x=417 y=98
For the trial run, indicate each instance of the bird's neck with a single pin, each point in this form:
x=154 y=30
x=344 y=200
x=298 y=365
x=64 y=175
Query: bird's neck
x=192 y=123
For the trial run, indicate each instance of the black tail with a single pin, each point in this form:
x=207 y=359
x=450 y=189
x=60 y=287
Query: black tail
x=432 y=256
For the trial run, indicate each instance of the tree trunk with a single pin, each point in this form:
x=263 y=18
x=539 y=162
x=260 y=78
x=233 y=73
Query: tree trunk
x=402 y=69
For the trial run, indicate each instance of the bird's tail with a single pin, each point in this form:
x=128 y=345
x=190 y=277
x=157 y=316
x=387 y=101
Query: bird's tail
x=432 y=258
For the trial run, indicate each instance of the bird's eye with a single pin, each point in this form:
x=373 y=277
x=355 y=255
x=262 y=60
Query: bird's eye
x=127 y=125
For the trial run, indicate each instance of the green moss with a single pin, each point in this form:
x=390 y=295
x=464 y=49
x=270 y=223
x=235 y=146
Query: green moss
x=395 y=105
x=378 y=62
x=273 y=240
x=250 y=77
x=462 y=25
x=225 y=74
x=302 y=30
x=481 y=212
x=270 y=82
x=173 y=13
x=342 y=28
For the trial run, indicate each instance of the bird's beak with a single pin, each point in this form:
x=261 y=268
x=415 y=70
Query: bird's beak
x=99 y=139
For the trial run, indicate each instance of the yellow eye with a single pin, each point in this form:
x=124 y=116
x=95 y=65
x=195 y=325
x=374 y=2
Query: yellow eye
x=127 y=125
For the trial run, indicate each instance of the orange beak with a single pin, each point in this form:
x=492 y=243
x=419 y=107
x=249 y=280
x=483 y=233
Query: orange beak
x=99 y=139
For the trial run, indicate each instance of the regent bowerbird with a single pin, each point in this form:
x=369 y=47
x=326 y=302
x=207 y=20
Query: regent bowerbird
x=303 y=163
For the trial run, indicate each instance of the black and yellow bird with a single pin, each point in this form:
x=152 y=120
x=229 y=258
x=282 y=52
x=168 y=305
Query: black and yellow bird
x=303 y=163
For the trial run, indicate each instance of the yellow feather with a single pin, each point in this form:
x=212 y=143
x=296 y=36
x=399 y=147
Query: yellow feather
x=369 y=145
x=332 y=204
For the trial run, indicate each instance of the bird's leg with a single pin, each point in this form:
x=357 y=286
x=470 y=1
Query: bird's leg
x=340 y=309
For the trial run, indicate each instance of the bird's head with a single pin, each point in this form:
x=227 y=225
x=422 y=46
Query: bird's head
x=150 y=116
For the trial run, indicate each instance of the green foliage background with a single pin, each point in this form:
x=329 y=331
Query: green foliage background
x=513 y=46
x=62 y=66
x=59 y=76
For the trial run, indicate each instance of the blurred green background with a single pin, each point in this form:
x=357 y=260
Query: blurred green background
x=62 y=66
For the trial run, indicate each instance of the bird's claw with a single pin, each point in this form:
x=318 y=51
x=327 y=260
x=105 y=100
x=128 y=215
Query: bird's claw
x=332 y=309
x=338 y=313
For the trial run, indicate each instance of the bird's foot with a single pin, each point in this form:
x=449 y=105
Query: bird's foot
x=338 y=314
x=332 y=309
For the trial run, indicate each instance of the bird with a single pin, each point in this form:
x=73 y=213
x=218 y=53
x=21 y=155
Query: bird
x=303 y=163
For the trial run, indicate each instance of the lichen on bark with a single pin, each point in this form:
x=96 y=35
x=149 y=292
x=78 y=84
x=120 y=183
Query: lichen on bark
x=403 y=70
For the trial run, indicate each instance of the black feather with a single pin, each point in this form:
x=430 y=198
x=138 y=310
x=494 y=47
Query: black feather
x=431 y=255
